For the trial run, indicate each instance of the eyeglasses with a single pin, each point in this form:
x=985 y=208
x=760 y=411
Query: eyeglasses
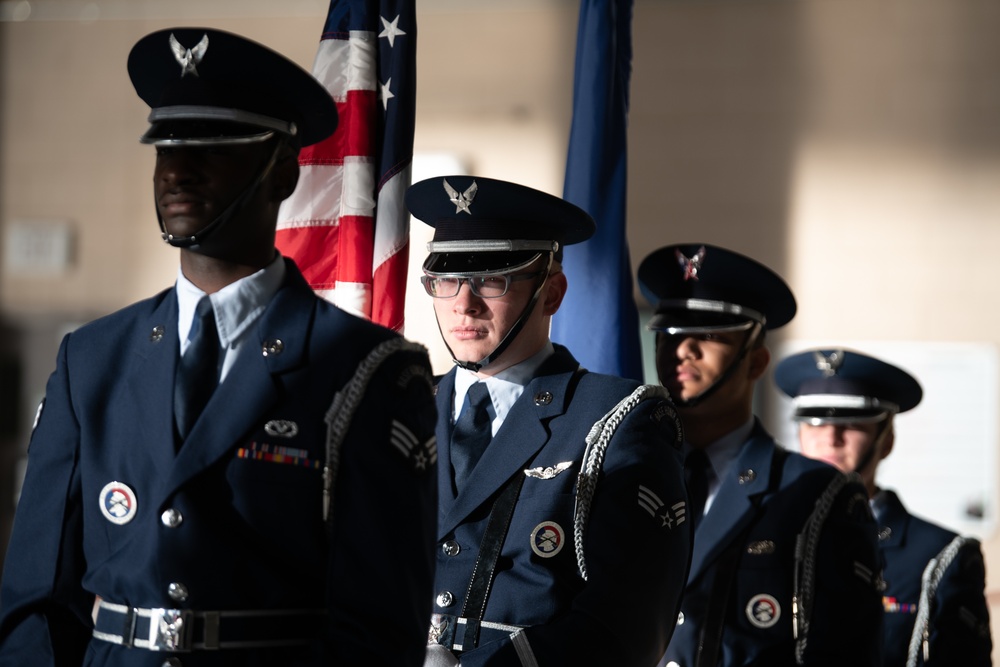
x=485 y=287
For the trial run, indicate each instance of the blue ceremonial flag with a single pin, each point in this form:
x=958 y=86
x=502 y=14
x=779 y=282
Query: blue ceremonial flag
x=598 y=320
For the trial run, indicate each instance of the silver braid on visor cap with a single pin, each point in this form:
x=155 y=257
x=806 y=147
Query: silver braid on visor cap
x=492 y=245
x=819 y=409
x=691 y=316
x=203 y=125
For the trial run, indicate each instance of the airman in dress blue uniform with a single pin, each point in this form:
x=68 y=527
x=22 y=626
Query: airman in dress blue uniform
x=785 y=567
x=233 y=472
x=562 y=530
x=934 y=599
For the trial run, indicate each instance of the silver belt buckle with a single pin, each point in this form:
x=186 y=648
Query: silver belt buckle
x=170 y=629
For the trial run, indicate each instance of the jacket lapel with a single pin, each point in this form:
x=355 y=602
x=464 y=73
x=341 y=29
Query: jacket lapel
x=251 y=387
x=892 y=516
x=736 y=504
x=521 y=436
x=150 y=380
x=444 y=392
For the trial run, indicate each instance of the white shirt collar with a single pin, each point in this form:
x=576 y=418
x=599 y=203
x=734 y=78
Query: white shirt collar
x=723 y=451
x=505 y=387
x=721 y=455
x=237 y=306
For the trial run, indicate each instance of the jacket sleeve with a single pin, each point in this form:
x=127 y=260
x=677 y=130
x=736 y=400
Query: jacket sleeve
x=636 y=546
x=383 y=514
x=44 y=611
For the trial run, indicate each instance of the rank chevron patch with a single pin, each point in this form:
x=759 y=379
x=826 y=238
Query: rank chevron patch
x=420 y=454
x=671 y=516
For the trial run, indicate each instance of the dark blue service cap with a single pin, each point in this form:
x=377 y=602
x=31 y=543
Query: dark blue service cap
x=843 y=386
x=482 y=225
x=207 y=86
x=698 y=288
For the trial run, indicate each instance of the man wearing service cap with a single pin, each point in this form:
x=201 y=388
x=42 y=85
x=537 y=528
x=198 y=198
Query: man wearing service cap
x=785 y=569
x=233 y=472
x=935 y=606
x=563 y=536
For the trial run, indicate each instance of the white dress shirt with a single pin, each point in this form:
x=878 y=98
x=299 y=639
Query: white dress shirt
x=237 y=306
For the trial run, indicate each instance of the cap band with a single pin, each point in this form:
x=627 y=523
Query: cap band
x=492 y=245
x=209 y=141
x=843 y=401
x=211 y=113
x=718 y=307
x=849 y=417
x=706 y=306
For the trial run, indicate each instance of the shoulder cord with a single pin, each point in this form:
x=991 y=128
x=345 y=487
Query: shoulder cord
x=345 y=403
x=593 y=459
x=806 y=545
x=928 y=588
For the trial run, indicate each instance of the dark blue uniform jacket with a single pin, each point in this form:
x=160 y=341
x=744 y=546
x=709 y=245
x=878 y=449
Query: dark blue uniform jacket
x=251 y=534
x=959 y=625
x=635 y=543
x=745 y=546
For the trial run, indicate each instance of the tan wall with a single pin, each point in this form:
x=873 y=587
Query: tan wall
x=851 y=145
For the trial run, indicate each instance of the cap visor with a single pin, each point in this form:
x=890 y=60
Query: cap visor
x=471 y=263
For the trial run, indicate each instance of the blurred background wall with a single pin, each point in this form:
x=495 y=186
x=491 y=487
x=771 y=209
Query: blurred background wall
x=853 y=146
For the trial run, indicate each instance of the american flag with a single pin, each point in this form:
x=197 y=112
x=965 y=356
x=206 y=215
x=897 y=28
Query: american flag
x=346 y=226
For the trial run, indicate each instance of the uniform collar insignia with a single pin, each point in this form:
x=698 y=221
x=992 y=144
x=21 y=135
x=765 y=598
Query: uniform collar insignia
x=461 y=200
x=188 y=59
x=829 y=364
x=691 y=265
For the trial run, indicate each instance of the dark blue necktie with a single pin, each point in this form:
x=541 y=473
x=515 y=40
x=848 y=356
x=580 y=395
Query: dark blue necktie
x=198 y=370
x=696 y=473
x=472 y=434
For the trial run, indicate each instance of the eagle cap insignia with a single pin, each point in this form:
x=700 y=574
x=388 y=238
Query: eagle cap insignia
x=691 y=265
x=829 y=364
x=461 y=200
x=188 y=59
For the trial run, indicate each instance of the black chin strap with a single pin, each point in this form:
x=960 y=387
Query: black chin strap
x=883 y=431
x=751 y=338
x=508 y=338
x=224 y=217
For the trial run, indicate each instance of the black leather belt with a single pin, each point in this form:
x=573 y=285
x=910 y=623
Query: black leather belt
x=181 y=630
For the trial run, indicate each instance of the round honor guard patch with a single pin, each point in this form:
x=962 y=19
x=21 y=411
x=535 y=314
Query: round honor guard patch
x=547 y=539
x=117 y=503
x=763 y=610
